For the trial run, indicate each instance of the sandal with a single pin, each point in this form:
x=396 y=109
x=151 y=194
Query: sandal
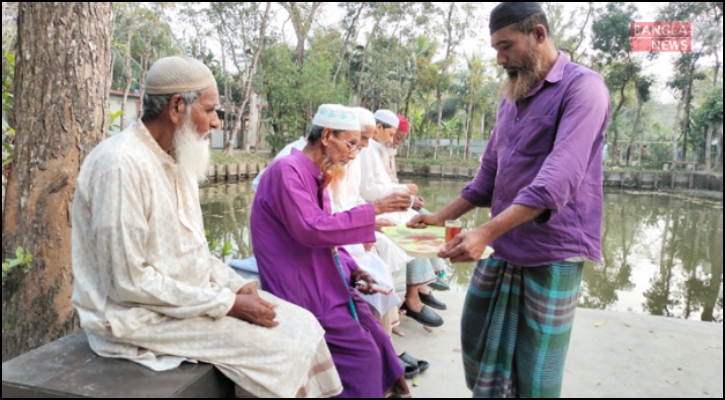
x=420 y=364
x=426 y=317
x=411 y=370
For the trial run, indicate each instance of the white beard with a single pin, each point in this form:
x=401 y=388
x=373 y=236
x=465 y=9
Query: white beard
x=192 y=153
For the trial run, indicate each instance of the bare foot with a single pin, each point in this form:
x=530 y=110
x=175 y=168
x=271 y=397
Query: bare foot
x=398 y=332
x=427 y=329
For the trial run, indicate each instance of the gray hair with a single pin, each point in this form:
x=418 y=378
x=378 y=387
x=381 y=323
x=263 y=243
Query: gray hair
x=153 y=106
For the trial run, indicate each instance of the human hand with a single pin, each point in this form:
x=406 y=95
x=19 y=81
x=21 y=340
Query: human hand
x=382 y=223
x=412 y=189
x=423 y=220
x=419 y=204
x=360 y=275
x=397 y=202
x=466 y=247
x=253 y=309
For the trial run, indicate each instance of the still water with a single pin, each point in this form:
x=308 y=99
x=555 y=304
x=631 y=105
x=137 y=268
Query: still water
x=662 y=253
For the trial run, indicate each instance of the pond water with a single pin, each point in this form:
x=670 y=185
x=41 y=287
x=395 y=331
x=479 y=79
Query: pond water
x=662 y=253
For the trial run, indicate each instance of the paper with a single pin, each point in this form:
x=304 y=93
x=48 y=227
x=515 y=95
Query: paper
x=422 y=243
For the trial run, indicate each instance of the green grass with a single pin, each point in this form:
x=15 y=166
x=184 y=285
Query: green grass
x=473 y=162
x=238 y=157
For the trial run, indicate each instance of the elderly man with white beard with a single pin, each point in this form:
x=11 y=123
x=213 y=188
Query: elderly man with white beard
x=146 y=286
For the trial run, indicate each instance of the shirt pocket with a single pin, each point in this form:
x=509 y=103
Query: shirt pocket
x=537 y=136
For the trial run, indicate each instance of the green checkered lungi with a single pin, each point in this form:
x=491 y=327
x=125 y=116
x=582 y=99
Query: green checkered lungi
x=516 y=328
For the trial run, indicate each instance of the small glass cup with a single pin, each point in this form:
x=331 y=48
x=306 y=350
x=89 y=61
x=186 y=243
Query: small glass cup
x=453 y=229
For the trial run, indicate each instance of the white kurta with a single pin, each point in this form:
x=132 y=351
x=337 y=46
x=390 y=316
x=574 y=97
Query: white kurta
x=148 y=290
x=376 y=183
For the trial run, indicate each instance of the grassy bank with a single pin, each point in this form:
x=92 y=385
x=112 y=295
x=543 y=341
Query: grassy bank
x=239 y=157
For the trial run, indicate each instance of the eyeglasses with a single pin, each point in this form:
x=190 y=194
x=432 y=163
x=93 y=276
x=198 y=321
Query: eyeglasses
x=351 y=147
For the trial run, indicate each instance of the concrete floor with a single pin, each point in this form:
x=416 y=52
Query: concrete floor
x=612 y=355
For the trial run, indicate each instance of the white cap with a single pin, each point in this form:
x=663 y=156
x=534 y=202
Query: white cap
x=388 y=117
x=337 y=117
x=366 y=117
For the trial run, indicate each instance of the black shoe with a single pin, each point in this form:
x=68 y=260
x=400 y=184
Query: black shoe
x=432 y=302
x=410 y=360
x=411 y=371
x=425 y=316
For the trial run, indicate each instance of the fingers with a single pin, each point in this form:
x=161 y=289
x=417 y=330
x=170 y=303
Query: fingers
x=417 y=221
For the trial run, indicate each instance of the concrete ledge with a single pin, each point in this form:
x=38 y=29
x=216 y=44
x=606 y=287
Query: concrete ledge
x=68 y=368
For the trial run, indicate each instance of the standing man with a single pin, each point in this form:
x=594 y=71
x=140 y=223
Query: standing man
x=542 y=177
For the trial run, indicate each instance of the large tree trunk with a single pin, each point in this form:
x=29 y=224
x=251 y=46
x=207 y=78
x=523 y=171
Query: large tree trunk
x=61 y=100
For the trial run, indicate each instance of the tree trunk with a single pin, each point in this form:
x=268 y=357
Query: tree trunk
x=688 y=112
x=719 y=152
x=675 y=141
x=439 y=125
x=250 y=78
x=62 y=80
x=633 y=140
x=613 y=123
x=353 y=24
x=708 y=147
x=469 y=122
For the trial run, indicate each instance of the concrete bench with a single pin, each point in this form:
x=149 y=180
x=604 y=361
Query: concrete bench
x=68 y=368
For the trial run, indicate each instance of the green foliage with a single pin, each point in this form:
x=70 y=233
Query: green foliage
x=114 y=117
x=217 y=249
x=21 y=261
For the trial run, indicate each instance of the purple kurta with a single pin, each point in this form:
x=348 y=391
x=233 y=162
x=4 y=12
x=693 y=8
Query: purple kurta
x=294 y=233
x=546 y=153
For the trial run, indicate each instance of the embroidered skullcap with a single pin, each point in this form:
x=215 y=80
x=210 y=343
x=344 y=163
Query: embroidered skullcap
x=387 y=117
x=508 y=13
x=367 y=119
x=337 y=117
x=178 y=74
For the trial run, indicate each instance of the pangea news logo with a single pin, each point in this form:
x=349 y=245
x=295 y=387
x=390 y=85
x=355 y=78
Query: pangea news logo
x=661 y=37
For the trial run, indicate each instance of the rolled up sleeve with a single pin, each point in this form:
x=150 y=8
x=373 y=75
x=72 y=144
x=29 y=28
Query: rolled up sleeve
x=585 y=113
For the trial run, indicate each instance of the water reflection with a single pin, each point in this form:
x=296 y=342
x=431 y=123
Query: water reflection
x=662 y=254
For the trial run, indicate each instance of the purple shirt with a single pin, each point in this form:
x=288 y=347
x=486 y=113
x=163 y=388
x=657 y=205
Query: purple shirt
x=546 y=153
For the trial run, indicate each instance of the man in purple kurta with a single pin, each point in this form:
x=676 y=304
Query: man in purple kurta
x=295 y=242
x=541 y=176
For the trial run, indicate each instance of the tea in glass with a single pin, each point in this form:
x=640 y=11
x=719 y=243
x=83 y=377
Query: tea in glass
x=453 y=229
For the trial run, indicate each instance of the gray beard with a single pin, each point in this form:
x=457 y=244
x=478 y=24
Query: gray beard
x=518 y=87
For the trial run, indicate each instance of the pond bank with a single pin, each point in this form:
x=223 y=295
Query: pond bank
x=697 y=184
x=612 y=354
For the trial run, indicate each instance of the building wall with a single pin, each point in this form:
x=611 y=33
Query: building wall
x=133 y=110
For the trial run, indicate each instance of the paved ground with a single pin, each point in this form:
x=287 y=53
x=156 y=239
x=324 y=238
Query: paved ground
x=612 y=355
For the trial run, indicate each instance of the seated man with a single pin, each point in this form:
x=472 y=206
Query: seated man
x=296 y=240
x=377 y=182
x=383 y=257
x=146 y=287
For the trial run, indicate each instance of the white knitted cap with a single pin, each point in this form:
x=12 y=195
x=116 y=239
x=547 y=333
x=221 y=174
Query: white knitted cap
x=178 y=74
x=367 y=119
x=387 y=117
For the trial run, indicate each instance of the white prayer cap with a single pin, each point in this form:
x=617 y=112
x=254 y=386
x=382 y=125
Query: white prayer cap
x=388 y=117
x=366 y=117
x=178 y=74
x=337 y=117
